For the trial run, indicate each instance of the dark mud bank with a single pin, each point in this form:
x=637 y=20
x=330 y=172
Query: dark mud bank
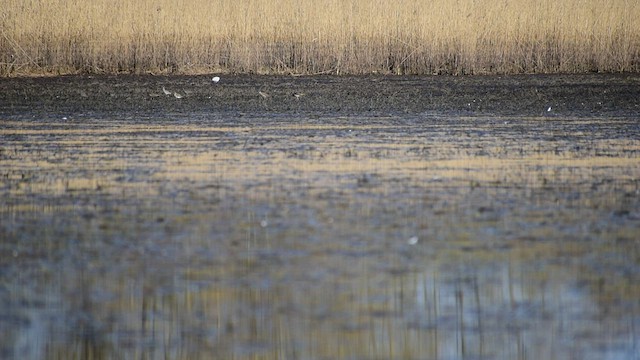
x=524 y=95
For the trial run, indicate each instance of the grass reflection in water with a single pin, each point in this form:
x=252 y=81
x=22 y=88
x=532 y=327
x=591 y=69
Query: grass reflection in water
x=292 y=241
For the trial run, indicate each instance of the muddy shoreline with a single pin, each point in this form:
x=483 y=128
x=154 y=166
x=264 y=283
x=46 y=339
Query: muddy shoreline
x=77 y=97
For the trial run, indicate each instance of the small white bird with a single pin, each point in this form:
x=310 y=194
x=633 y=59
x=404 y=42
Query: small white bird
x=165 y=91
x=298 y=95
x=177 y=96
x=549 y=109
x=216 y=79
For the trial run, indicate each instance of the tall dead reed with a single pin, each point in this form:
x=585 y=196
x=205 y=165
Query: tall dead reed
x=327 y=36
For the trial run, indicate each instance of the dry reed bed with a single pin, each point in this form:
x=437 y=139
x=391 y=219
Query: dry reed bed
x=329 y=36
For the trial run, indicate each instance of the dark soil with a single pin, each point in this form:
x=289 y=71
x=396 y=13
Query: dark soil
x=75 y=97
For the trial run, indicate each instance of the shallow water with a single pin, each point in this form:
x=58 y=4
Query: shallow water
x=417 y=236
x=363 y=238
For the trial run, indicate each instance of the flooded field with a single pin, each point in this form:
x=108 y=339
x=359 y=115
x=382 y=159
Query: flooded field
x=365 y=218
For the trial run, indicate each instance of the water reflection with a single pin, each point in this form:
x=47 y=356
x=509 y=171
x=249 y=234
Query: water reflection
x=292 y=241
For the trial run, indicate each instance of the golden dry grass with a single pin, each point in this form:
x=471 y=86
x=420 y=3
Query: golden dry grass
x=330 y=36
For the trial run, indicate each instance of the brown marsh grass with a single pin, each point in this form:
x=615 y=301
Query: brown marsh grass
x=309 y=37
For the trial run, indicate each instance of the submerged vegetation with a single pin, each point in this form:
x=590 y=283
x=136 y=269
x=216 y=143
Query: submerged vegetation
x=309 y=37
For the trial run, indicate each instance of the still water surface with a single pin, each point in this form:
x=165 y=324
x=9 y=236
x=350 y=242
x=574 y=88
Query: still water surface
x=425 y=237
